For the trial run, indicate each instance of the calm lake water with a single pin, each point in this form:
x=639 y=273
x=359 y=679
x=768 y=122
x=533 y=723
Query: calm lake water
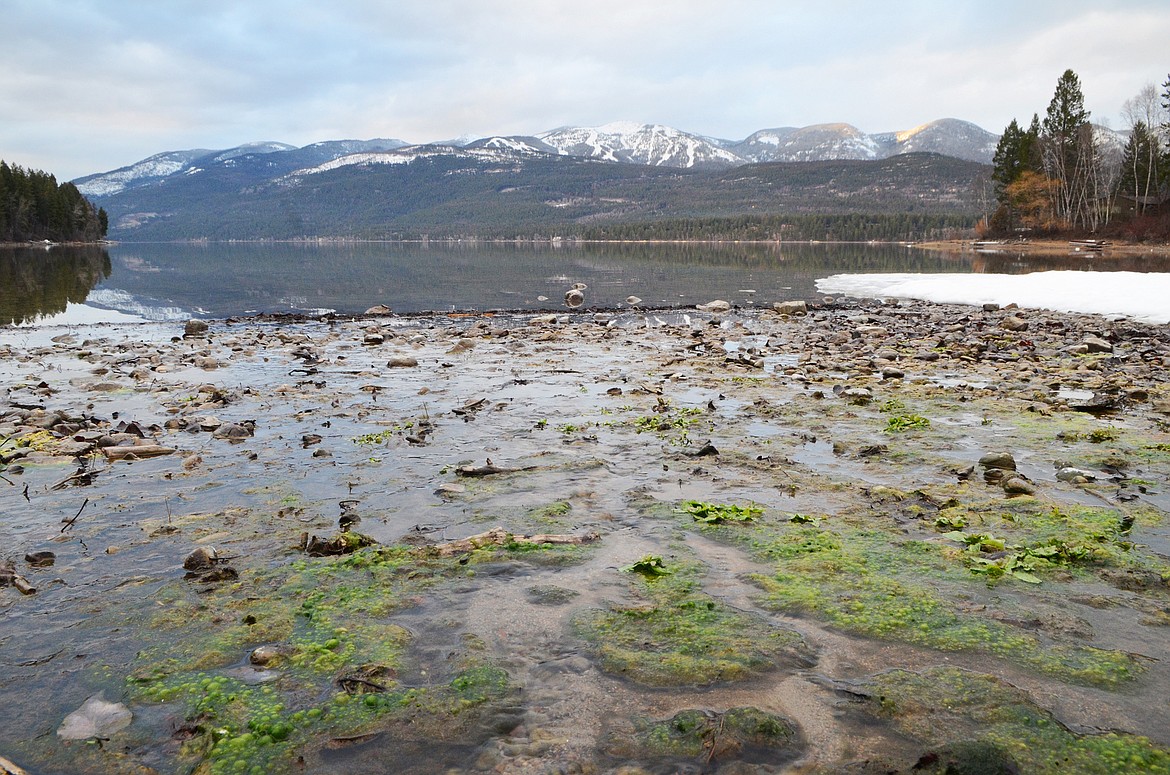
x=169 y=281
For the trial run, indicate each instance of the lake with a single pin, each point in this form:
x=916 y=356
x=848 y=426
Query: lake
x=175 y=281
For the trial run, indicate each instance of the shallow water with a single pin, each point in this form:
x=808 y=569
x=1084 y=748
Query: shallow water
x=564 y=399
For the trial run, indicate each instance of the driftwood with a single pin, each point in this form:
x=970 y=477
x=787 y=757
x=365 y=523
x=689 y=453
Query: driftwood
x=497 y=536
x=137 y=451
x=489 y=469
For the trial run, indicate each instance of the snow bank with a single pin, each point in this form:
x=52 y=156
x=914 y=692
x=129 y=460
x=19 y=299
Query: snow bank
x=1137 y=295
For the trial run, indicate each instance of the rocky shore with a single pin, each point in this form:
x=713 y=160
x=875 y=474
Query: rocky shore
x=849 y=536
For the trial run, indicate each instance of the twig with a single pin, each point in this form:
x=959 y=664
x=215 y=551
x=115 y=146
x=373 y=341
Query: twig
x=69 y=522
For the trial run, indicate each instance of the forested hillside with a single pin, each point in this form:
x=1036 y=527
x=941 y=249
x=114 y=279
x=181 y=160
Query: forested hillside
x=449 y=194
x=34 y=207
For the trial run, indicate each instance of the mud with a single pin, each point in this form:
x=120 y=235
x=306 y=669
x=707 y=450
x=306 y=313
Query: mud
x=862 y=573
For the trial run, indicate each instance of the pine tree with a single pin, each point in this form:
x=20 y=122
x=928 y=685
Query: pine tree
x=1070 y=155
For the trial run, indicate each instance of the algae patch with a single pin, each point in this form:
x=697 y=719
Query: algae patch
x=678 y=635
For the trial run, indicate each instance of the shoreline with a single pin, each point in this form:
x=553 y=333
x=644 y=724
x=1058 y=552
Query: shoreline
x=885 y=462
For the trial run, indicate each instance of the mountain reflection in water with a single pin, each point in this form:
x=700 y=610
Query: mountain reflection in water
x=169 y=281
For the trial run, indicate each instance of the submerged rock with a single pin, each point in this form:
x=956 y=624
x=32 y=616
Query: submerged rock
x=95 y=718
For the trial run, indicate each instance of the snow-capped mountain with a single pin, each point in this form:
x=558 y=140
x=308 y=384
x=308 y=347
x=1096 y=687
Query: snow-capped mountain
x=149 y=170
x=277 y=157
x=650 y=144
x=811 y=143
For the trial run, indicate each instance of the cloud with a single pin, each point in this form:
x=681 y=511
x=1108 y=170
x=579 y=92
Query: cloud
x=86 y=86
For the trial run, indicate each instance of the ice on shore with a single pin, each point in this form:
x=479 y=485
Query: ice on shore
x=1138 y=295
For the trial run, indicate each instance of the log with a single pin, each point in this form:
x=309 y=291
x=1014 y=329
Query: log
x=489 y=470
x=138 y=451
x=497 y=536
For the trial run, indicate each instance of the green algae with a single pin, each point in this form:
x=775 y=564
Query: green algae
x=878 y=584
x=677 y=635
x=335 y=619
x=941 y=706
x=707 y=737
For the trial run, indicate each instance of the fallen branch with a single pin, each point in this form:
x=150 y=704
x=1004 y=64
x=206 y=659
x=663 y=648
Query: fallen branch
x=137 y=451
x=490 y=469
x=497 y=536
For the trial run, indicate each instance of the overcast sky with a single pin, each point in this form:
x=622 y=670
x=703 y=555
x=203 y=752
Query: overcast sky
x=91 y=85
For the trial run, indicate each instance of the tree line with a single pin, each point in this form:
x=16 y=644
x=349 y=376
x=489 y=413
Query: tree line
x=1061 y=174
x=34 y=207
x=849 y=227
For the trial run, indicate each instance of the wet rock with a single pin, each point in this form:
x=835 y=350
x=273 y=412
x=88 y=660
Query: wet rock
x=402 y=362
x=717 y=305
x=1075 y=475
x=791 y=307
x=998 y=460
x=889 y=372
x=860 y=396
x=41 y=559
x=95 y=718
x=450 y=489
x=201 y=558
x=194 y=328
x=269 y=654
x=342 y=543
x=379 y=309
x=372 y=340
x=574 y=298
x=1017 y=485
x=234 y=431
x=1014 y=323
x=633 y=301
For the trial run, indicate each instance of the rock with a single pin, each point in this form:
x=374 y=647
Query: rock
x=95 y=718
x=233 y=431
x=854 y=395
x=1075 y=475
x=633 y=301
x=379 y=309
x=791 y=307
x=1017 y=485
x=448 y=489
x=872 y=332
x=201 y=558
x=574 y=298
x=402 y=362
x=268 y=654
x=1095 y=344
x=42 y=559
x=1000 y=460
x=373 y=339
x=718 y=305
x=889 y=372
x=1014 y=323
x=194 y=328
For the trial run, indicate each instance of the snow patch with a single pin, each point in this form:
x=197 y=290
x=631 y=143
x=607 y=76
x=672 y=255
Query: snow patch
x=1139 y=295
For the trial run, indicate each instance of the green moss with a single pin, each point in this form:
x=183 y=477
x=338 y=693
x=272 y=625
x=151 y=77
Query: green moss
x=945 y=704
x=869 y=582
x=335 y=616
x=681 y=636
x=746 y=734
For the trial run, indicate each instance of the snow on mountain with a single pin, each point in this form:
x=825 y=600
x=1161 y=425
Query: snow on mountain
x=250 y=148
x=521 y=145
x=501 y=153
x=651 y=144
x=948 y=136
x=154 y=168
x=619 y=142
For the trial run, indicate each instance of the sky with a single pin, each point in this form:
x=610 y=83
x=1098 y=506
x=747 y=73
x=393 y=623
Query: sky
x=88 y=86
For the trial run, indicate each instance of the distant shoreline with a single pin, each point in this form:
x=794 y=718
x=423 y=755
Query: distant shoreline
x=1034 y=247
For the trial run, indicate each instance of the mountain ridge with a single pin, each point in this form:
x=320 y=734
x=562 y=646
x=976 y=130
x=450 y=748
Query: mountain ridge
x=654 y=145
